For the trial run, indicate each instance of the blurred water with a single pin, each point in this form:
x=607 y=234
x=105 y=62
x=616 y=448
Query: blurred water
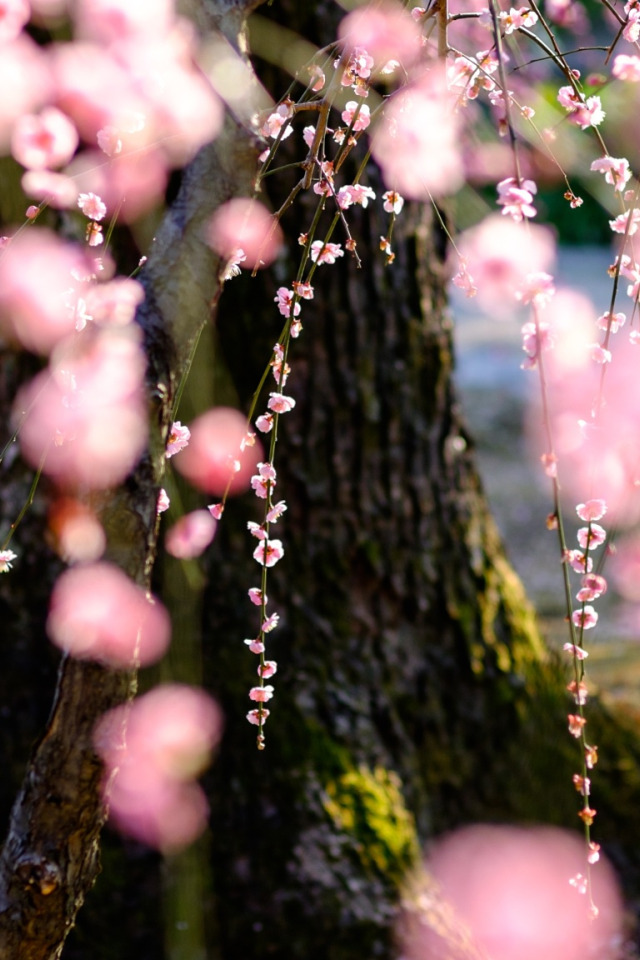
x=494 y=393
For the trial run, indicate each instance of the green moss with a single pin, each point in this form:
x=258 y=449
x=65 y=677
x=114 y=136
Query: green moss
x=369 y=806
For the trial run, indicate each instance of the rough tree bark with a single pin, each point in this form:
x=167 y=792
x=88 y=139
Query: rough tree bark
x=412 y=692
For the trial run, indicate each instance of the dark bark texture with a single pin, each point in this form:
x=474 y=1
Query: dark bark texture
x=413 y=692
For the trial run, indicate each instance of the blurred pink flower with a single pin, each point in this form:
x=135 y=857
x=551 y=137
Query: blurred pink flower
x=508 y=889
x=37 y=295
x=108 y=21
x=14 y=14
x=385 y=30
x=500 y=254
x=56 y=189
x=48 y=139
x=114 y=303
x=24 y=70
x=209 y=462
x=88 y=411
x=77 y=532
x=190 y=535
x=417 y=140
x=152 y=750
x=98 y=613
x=245 y=224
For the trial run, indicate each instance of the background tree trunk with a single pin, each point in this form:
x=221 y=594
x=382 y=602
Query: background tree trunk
x=413 y=693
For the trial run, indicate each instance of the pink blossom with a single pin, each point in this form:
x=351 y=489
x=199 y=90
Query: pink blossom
x=317 y=77
x=304 y=290
x=277 y=121
x=631 y=30
x=98 y=613
x=627 y=68
x=322 y=252
x=264 y=422
x=599 y=354
x=575 y=651
x=276 y=512
x=593 y=536
x=89 y=410
x=42 y=141
x=393 y=202
x=247 y=225
x=500 y=255
x=210 y=461
x=616 y=171
x=24 y=70
x=256 y=597
x=417 y=142
x=216 y=510
x=578 y=691
x=280 y=403
x=56 y=189
x=152 y=750
x=516 y=19
x=611 y=321
x=586 y=618
x=267 y=669
x=255 y=646
x=385 y=31
x=92 y=206
x=355 y=193
x=255 y=529
x=578 y=561
x=114 y=303
x=37 y=281
x=619 y=225
x=261 y=694
x=270 y=623
x=258 y=717
x=78 y=534
x=591 y=510
x=14 y=14
x=588 y=114
x=177 y=440
x=268 y=552
x=6 y=560
x=576 y=725
x=308 y=135
x=508 y=889
x=536 y=338
x=191 y=535
x=108 y=21
x=163 y=502
x=359 y=111
x=284 y=298
x=516 y=199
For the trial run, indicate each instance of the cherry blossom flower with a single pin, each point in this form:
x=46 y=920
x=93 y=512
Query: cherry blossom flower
x=575 y=651
x=277 y=121
x=152 y=750
x=322 y=252
x=276 y=512
x=88 y=411
x=582 y=784
x=626 y=68
x=258 y=717
x=267 y=669
x=376 y=33
x=6 y=560
x=611 y=321
x=616 y=171
x=211 y=461
x=591 y=536
x=619 y=225
x=190 y=535
x=393 y=202
x=516 y=199
x=594 y=852
x=264 y=422
x=256 y=596
x=284 y=298
x=631 y=30
x=417 y=142
x=56 y=189
x=178 y=439
x=508 y=886
x=590 y=756
x=245 y=225
x=255 y=646
x=114 y=303
x=270 y=623
x=261 y=694
x=516 y=19
x=92 y=206
x=216 y=510
x=586 y=618
x=268 y=552
x=42 y=141
x=280 y=403
x=98 y=613
x=77 y=533
x=355 y=193
x=576 y=724
x=256 y=530
x=578 y=691
x=359 y=111
x=587 y=815
x=317 y=77
x=163 y=502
